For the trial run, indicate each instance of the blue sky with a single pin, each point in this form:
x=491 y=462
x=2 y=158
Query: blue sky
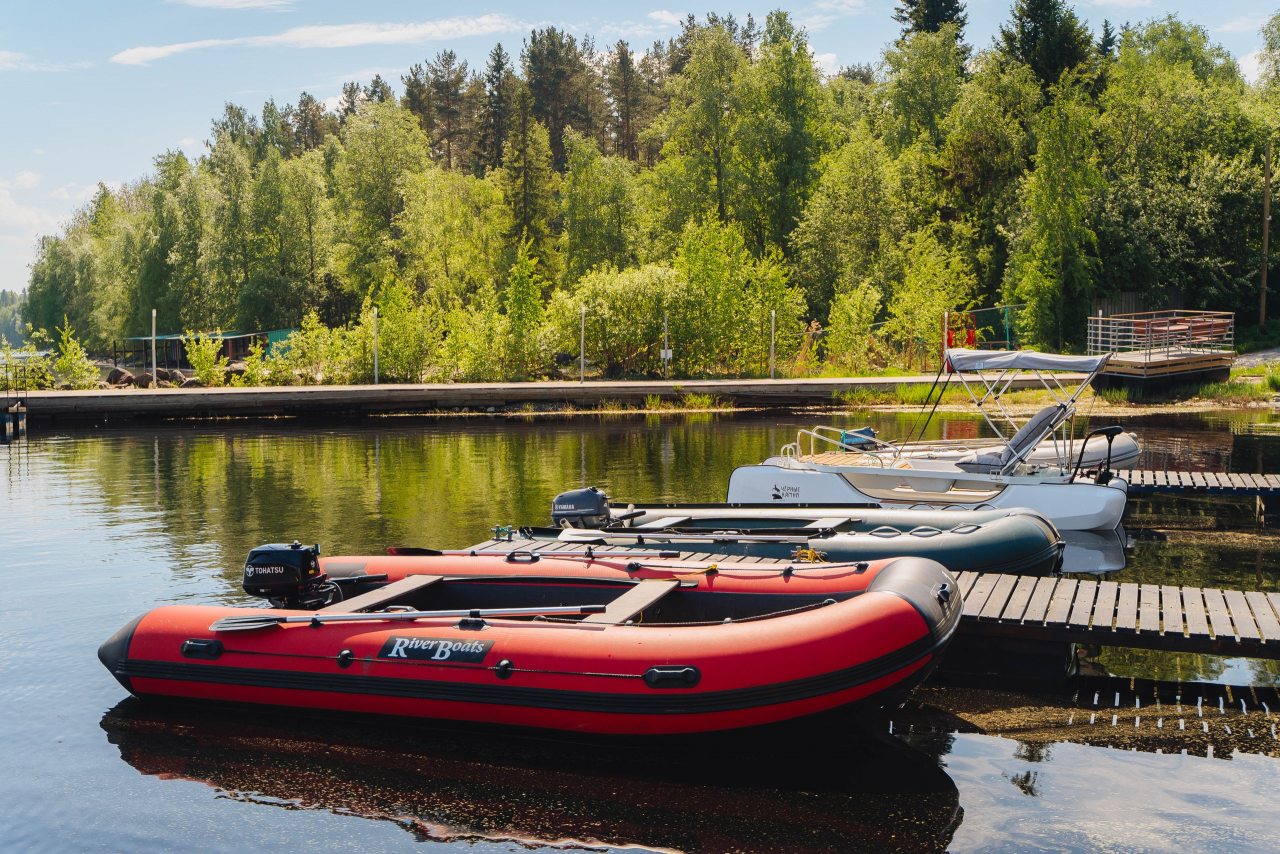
x=96 y=89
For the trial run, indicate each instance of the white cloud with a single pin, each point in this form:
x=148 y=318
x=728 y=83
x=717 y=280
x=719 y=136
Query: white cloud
x=24 y=180
x=236 y=4
x=12 y=60
x=1123 y=4
x=332 y=103
x=666 y=16
x=1243 y=24
x=842 y=7
x=74 y=192
x=335 y=35
x=1251 y=66
x=827 y=62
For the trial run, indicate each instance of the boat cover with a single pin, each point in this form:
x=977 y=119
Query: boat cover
x=985 y=360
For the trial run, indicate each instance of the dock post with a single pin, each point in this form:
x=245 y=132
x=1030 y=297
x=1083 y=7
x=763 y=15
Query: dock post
x=153 y=348
x=582 y=347
x=375 y=345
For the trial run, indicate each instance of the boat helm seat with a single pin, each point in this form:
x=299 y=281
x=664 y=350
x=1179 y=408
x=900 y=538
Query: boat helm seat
x=996 y=461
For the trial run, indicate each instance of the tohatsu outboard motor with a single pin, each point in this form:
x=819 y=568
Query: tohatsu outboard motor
x=288 y=576
x=581 y=508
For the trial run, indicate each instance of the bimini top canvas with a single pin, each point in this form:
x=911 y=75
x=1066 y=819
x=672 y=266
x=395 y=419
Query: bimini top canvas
x=1029 y=360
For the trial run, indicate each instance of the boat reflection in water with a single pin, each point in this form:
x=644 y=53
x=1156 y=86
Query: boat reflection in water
x=829 y=787
x=1094 y=551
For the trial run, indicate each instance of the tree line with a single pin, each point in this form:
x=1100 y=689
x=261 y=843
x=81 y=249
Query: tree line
x=703 y=189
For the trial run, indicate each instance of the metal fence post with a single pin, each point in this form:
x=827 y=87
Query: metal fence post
x=773 y=337
x=154 y=379
x=582 y=347
x=375 y=345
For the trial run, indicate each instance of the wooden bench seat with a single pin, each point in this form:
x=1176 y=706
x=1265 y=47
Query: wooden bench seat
x=631 y=603
x=384 y=596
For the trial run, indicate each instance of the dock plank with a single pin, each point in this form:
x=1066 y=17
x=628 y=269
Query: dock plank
x=1018 y=599
x=1082 y=607
x=1219 y=617
x=1193 y=609
x=1104 y=610
x=1264 y=616
x=1127 y=608
x=1038 y=607
x=1149 y=609
x=978 y=595
x=1171 y=610
x=1060 y=605
x=994 y=606
x=1241 y=616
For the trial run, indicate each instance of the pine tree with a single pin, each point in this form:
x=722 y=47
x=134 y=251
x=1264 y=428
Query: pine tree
x=624 y=85
x=528 y=179
x=311 y=124
x=378 y=90
x=928 y=16
x=352 y=97
x=1107 y=41
x=555 y=74
x=1047 y=36
x=417 y=95
x=495 y=113
x=448 y=78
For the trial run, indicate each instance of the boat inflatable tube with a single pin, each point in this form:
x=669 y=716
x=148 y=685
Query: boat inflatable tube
x=677 y=648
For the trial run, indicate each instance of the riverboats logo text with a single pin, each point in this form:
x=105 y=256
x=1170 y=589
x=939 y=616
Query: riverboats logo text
x=435 y=649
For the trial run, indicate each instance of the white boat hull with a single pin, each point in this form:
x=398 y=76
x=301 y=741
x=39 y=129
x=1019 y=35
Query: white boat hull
x=1078 y=506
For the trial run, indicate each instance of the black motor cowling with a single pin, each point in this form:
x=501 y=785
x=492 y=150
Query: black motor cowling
x=287 y=575
x=581 y=508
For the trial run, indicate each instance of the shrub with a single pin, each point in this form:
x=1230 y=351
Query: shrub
x=204 y=351
x=72 y=364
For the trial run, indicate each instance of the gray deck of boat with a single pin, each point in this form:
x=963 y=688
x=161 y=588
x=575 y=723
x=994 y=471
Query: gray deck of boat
x=1051 y=608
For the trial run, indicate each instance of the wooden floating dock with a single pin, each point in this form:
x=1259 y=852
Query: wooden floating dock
x=1051 y=608
x=342 y=401
x=1110 y=613
x=1208 y=482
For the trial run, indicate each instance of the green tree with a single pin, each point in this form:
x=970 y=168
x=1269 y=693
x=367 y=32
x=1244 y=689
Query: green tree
x=852 y=225
x=495 y=112
x=700 y=129
x=926 y=70
x=558 y=81
x=936 y=280
x=522 y=301
x=453 y=234
x=381 y=145
x=1046 y=35
x=528 y=180
x=597 y=197
x=929 y=16
x=849 y=331
x=782 y=134
x=72 y=364
x=625 y=88
x=448 y=79
x=1053 y=264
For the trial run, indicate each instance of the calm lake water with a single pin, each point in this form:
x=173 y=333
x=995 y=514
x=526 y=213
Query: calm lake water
x=101 y=525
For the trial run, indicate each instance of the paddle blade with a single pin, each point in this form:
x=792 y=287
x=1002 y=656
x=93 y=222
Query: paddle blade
x=246 y=623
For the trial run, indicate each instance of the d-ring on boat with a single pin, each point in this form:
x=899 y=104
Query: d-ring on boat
x=1002 y=477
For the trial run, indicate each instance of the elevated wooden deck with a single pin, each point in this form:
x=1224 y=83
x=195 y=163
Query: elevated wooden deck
x=1052 y=608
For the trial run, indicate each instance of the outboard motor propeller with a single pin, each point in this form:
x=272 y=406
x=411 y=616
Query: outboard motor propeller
x=287 y=575
x=581 y=508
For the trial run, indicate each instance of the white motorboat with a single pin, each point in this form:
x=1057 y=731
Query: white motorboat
x=1123 y=450
x=1002 y=476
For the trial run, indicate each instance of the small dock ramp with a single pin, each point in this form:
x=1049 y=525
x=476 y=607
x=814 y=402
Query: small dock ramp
x=1163 y=348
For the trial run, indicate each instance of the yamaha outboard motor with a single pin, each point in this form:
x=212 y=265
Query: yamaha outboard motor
x=581 y=508
x=288 y=576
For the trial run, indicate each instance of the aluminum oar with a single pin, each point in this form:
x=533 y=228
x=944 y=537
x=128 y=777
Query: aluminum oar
x=265 y=621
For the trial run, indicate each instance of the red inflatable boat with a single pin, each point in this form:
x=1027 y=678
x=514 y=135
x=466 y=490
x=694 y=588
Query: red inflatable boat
x=588 y=645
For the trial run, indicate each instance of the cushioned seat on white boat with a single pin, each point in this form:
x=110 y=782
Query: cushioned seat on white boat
x=994 y=462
